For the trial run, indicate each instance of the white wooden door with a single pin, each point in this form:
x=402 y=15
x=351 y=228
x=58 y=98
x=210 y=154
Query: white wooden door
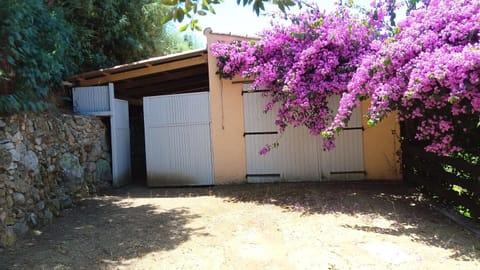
x=260 y=130
x=300 y=156
x=120 y=129
x=100 y=101
x=177 y=140
x=346 y=160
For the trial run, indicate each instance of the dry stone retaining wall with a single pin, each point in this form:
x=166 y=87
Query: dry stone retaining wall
x=47 y=160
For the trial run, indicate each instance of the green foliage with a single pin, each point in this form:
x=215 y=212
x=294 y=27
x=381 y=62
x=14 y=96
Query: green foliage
x=178 y=10
x=35 y=43
x=41 y=42
x=172 y=42
x=115 y=31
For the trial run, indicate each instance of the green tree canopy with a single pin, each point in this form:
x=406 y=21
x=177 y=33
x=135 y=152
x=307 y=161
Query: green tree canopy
x=44 y=41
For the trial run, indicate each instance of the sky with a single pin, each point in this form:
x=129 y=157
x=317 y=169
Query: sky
x=240 y=20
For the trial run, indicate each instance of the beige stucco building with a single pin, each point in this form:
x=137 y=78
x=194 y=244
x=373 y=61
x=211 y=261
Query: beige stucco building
x=381 y=144
x=188 y=126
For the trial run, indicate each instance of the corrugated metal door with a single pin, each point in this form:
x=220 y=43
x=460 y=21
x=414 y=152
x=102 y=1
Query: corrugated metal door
x=100 y=101
x=300 y=156
x=177 y=140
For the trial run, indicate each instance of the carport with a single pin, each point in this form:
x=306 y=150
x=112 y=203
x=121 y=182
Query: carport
x=159 y=117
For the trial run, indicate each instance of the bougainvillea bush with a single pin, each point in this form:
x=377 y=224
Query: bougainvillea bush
x=301 y=63
x=428 y=69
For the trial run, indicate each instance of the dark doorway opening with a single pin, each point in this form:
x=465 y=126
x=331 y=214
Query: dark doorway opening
x=137 y=144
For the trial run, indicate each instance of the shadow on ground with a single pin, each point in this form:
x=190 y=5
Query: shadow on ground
x=100 y=232
x=406 y=211
x=106 y=231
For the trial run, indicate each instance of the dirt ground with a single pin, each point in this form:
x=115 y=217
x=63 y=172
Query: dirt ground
x=269 y=226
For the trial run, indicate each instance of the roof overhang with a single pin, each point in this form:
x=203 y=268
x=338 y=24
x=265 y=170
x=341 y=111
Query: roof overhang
x=175 y=73
x=140 y=68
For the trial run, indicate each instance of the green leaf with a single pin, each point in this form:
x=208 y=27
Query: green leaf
x=396 y=30
x=188 y=5
x=183 y=28
x=170 y=2
x=371 y=123
x=167 y=18
x=387 y=61
x=318 y=23
x=10 y=60
x=212 y=10
x=205 y=4
x=257 y=6
x=179 y=14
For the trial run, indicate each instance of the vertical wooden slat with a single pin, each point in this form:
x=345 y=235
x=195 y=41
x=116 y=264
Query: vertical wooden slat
x=300 y=156
x=91 y=99
x=121 y=155
x=177 y=139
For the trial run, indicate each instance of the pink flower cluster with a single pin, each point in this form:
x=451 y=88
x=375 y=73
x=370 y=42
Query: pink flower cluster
x=428 y=71
x=428 y=68
x=302 y=63
x=234 y=58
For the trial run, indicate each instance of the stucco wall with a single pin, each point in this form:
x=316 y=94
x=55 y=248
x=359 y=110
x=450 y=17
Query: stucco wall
x=381 y=143
x=226 y=108
x=381 y=146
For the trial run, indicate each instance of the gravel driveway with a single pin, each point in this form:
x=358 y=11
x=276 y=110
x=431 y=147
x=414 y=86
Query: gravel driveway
x=269 y=226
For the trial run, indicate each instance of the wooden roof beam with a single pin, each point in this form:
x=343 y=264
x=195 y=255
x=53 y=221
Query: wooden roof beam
x=166 y=77
x=136 y=97
x=194 y=80
x=164 y=89
x=146 y=70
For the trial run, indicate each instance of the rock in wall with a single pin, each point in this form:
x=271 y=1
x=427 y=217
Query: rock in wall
x=47 y=160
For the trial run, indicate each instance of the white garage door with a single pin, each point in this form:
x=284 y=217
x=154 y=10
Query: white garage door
x=177 y=140
x=300 y=156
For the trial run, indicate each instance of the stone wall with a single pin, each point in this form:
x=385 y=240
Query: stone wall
x=47 y=160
